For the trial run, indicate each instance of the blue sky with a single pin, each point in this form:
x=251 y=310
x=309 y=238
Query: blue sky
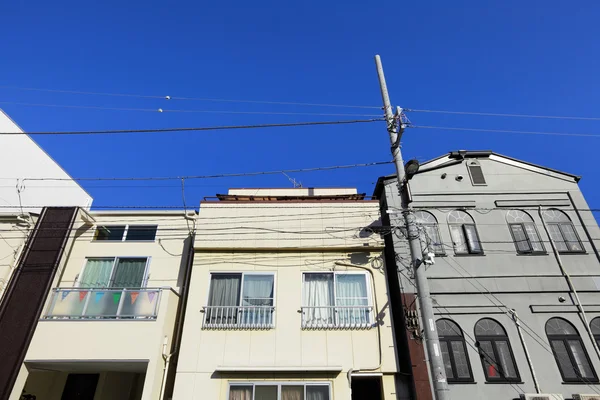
x=534 y=57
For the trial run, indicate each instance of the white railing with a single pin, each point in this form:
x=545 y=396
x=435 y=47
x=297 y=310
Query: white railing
x=337 y=317
x=238 y=317
x=103 y=303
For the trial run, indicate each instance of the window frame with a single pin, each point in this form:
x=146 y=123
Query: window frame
x=367 y=283
x=476 y=164
x=463 y=231
x=529 y=242
x=560 y=225
x=279 y=384
x=596 y=335
x=493 y=339
x=125 y=232
x=565 y=340
x=112 y=270
x=448 y=340
x=436 y=226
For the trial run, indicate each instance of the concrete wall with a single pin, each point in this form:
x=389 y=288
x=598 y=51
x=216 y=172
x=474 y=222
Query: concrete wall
x=467 y=288
x=13 y=234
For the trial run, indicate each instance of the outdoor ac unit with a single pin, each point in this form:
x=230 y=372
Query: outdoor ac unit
x=586 y=396
x=542 y=396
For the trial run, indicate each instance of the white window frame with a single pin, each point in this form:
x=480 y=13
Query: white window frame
x=243 y=273
x=124 y=237
x=367 y=282
x=279 y=384
x=112 y=270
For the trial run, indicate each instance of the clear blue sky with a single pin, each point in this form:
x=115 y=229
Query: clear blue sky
x=532 y=57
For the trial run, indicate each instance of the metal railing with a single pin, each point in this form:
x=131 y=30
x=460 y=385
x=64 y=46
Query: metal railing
x=337 y=317
x=103 y=303
x=238 y=317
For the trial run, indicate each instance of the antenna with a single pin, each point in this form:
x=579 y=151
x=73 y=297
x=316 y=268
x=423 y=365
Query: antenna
x=296 y=184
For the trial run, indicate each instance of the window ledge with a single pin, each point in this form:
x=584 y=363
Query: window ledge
x=470 y=255
x=581 y=382
x=462 y=383
x=505 y=383
x=573 y=253
x=532 y=254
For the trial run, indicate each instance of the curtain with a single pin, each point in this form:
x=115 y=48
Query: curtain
x=129 y=273
x=96 y=273
x=458 y=239
x=265 y=392
x=351 y=290
x=257 y=291
x=240 y=393
x=292 y=393
x=581 y=359
x=318 y=293
x=317 y=393
x=534 y=238
x=506 y=360
x=225 y=297
x=472 y=238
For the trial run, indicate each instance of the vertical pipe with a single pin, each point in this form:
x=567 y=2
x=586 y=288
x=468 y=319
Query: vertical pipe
x=515 y=318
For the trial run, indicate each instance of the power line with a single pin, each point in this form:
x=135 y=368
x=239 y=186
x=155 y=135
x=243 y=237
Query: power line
x=204 y=128
x=162 y=110
x=451 y=128
x=503 y=115
x=188 y=98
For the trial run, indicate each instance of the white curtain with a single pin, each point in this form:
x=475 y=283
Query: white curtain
x=318 y=297
x=96 y=273
x=351 y=291
x=240 y=393
x=458 y=239
x=317 y=393
x=224 y=297
x=257 y=292
x=292 y=393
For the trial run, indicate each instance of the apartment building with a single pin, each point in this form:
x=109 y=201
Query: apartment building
x=288 y=299
x=109 y=323
x=516 y=250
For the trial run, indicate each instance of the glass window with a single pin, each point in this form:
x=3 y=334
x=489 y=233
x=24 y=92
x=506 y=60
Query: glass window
x=280 y=391
x=110 y=232
x=114 y=272
x=431 y=232
x=524 y=232
x=464 y=233
x=562 y=231
x=595 y=325
x=335 y=300
x=118 y=233
x=141 y=233
x=571 y=357
x=495 y=352
x=454 y=352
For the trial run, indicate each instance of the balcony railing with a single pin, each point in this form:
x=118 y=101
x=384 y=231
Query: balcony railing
x=103 y=304
x=238 y=317
x=337 y=317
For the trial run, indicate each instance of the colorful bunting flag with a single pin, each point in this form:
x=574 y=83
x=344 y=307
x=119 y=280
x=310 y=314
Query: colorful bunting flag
x=151 y=296
x=99 y=296
x=82 y=295
x=116 y=297
x=64 y=294
x=134 y=296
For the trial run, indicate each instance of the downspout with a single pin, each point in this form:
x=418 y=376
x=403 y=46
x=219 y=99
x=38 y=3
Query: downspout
x=167 y=361
x=515 y=318
x=571 y=286
x=587 y=233
x=351 y=370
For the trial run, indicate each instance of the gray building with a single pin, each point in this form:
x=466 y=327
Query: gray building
x=481 y=214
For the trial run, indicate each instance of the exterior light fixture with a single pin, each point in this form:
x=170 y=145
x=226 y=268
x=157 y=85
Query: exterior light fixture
x=411 y=168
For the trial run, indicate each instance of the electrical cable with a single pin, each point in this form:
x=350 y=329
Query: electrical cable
x=502 y=114
x=452 y=128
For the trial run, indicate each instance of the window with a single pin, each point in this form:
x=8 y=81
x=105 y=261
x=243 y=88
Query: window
x=464 y=233
x=114 y=272
x=240 y=300
x=119 y=233
x=571 y=357
x=335 y=300
x=525 y=235
x=562 y=231
x=454 y=352
x=431 y=231
x=476 y=173
x=279 y=391
x=595 y=325
x=496 y=354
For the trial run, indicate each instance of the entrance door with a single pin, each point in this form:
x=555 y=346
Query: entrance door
x=366 y=388
x=80 y=387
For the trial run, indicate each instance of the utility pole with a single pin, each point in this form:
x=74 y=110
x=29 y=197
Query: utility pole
x=395 y=128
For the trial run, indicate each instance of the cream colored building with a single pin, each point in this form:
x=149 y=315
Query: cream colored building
x=288 y=300
x=108 y=324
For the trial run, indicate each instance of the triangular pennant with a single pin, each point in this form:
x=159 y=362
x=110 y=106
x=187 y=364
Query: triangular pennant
x=116 y=297
x=99 y=296
x=151 y=296
x=82 y=295
x=134 y=296
x=64 y=294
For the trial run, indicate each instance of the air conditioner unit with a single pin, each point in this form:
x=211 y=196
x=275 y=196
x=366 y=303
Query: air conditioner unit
x=586 y=396
x=541 y=396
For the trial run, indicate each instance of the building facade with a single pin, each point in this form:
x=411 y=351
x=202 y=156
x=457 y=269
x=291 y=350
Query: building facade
x=288 y=300
x=516 y=250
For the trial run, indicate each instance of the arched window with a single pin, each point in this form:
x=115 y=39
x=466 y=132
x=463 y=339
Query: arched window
x=595 y=325
x=454 y=351
x=571 y=357
x=525 y=235
x=431 y=230
x=464 y=233
x=496 y=354
x=562 y=231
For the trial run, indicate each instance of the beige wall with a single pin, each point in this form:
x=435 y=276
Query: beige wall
x=13 y=235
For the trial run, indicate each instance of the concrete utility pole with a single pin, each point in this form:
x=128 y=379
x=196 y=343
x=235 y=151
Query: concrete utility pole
x=395 y=129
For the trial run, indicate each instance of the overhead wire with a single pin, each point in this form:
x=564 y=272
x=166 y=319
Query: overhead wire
x=453 y=128
x=487 y=114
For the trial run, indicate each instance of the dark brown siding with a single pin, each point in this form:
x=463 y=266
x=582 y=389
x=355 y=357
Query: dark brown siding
x=28 y=289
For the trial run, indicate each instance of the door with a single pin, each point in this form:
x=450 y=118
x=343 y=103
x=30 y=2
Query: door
x=80 y=387
x=366 y=388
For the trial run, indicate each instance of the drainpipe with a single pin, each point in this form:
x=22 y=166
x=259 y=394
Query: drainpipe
x=571 y=286
x=166 y=358
x=515 y=318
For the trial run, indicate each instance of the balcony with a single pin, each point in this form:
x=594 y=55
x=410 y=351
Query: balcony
x=337 y=317
x=238 y=317
x=103 y=304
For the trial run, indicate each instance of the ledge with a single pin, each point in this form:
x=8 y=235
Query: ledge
x=225 y=368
